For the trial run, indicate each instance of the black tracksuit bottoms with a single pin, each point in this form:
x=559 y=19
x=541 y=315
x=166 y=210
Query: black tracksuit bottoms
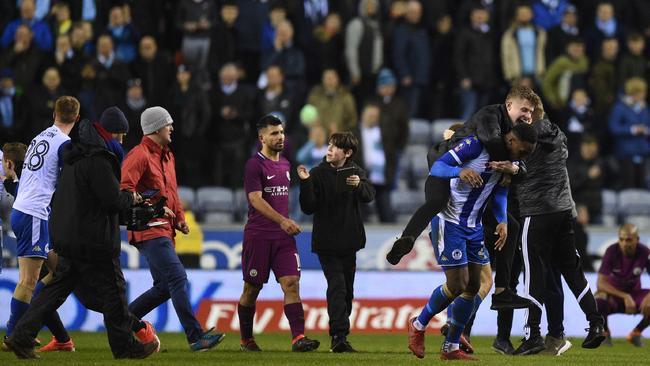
x=103 y=284
x=548 y=240
x=339 y=272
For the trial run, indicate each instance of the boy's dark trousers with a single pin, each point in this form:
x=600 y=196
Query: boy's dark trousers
x=339 y=272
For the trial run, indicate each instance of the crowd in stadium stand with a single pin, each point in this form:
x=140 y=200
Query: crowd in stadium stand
x=368 y=66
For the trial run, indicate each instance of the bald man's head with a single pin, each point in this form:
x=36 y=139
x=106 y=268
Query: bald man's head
x=628 y=239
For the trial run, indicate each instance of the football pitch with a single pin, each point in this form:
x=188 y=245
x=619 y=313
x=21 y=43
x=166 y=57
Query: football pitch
x=376 y=349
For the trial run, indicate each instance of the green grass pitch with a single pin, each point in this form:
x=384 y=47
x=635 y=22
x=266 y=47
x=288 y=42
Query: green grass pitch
x=379 y=349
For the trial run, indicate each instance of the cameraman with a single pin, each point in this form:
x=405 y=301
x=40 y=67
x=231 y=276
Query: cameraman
x=150 y=165
x=84 y=231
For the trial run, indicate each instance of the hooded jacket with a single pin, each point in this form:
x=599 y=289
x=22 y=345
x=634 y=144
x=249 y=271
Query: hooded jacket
x=84 y=222
x=338 y=227
x=545 y=188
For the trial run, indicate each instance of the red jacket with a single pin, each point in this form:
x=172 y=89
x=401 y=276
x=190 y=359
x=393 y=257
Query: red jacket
x=150 y=166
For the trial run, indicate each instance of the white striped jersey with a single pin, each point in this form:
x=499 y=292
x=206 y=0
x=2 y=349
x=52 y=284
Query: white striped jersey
x=40 y=172
x=466 y=204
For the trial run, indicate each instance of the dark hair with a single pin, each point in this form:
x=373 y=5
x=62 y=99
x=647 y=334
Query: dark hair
x=345 y=141
x=268 y=120
x=632 y=37
x=455 y=126
x=525 y=132
x=14 y=151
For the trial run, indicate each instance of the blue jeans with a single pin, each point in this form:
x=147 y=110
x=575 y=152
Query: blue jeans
x=169 y=280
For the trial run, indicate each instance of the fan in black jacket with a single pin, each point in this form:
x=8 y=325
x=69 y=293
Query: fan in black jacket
x=84 y=231
x=338 y=231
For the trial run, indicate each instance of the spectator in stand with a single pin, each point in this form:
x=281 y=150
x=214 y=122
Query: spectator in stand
x=124 y=35
x=633 y=63
x=191 y=106
x=578 y=119
x=559 y=35
x=548 y=13
x=313 y=151
x=522 y=48
x=12 y=112
x=276 y=15
x=412 y=56
x=586 y=173
x=196 y=19
x=68 y=62
x=154 y=67
x=375 y=159
x=629 y=122
x=443 y=80
x=224 y=37
x=23 y=58
x=41 y=100
x=111 y=75
x=605 y=26
x=394 y=123
x=252 y=14
x=565 y=74
x=335 y=105
x=275 y=98
x=327 y=47
x=476 y=61
x=40 y=29
x=638 y=16
x=60 y=19
x=603 y=79
x=364 y=49
x=134 y=104
x=230 y=128
x=81 y=39
x=288 y=57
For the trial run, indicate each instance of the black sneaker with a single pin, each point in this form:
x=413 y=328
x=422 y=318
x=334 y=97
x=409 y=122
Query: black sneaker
x=341 y=345
x=531 y=346
x=503 y=346
x=147 y=350
x=508 y=299
x=305 y=344
x=21 y=351
x=249 y=345
x=401 y=247
x=595 y=337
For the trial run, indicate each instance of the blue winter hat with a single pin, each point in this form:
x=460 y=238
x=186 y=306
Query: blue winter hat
x=114 y=121
x=386 y=77
x=6 y=73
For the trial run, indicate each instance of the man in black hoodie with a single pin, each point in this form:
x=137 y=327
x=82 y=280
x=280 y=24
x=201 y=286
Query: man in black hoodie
x=338 y=231
x=84 y=231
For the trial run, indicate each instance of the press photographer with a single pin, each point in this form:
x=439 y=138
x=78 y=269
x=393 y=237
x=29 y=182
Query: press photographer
x=85 y=233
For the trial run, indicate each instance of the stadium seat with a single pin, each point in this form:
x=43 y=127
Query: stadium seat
x=634 y=202
x=414 y=161
x=419 y=131
x=188 y=196
x=241 y=205
x=215 y=204
x=610 y=207
x=406 y=202
x=439 y=126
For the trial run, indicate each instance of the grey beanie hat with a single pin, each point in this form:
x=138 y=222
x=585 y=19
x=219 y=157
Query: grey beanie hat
x=153 y=119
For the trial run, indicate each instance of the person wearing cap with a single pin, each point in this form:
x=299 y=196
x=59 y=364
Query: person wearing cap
x=150 y=165
x=85 y=233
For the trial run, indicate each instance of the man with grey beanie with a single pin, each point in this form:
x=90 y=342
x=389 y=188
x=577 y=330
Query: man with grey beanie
x=150 y=166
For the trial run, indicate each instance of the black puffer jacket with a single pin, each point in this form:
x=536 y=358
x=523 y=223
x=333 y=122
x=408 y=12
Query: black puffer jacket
x=84 y=220
x=545 y=189
x=338 y=226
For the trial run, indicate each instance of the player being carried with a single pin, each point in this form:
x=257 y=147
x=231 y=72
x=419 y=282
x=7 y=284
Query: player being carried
x=268 y=237
x=460 y=249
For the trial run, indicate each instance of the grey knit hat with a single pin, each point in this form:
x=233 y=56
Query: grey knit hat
x=153 y=119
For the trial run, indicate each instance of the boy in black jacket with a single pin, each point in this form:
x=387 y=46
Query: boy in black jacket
x=338 y=231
